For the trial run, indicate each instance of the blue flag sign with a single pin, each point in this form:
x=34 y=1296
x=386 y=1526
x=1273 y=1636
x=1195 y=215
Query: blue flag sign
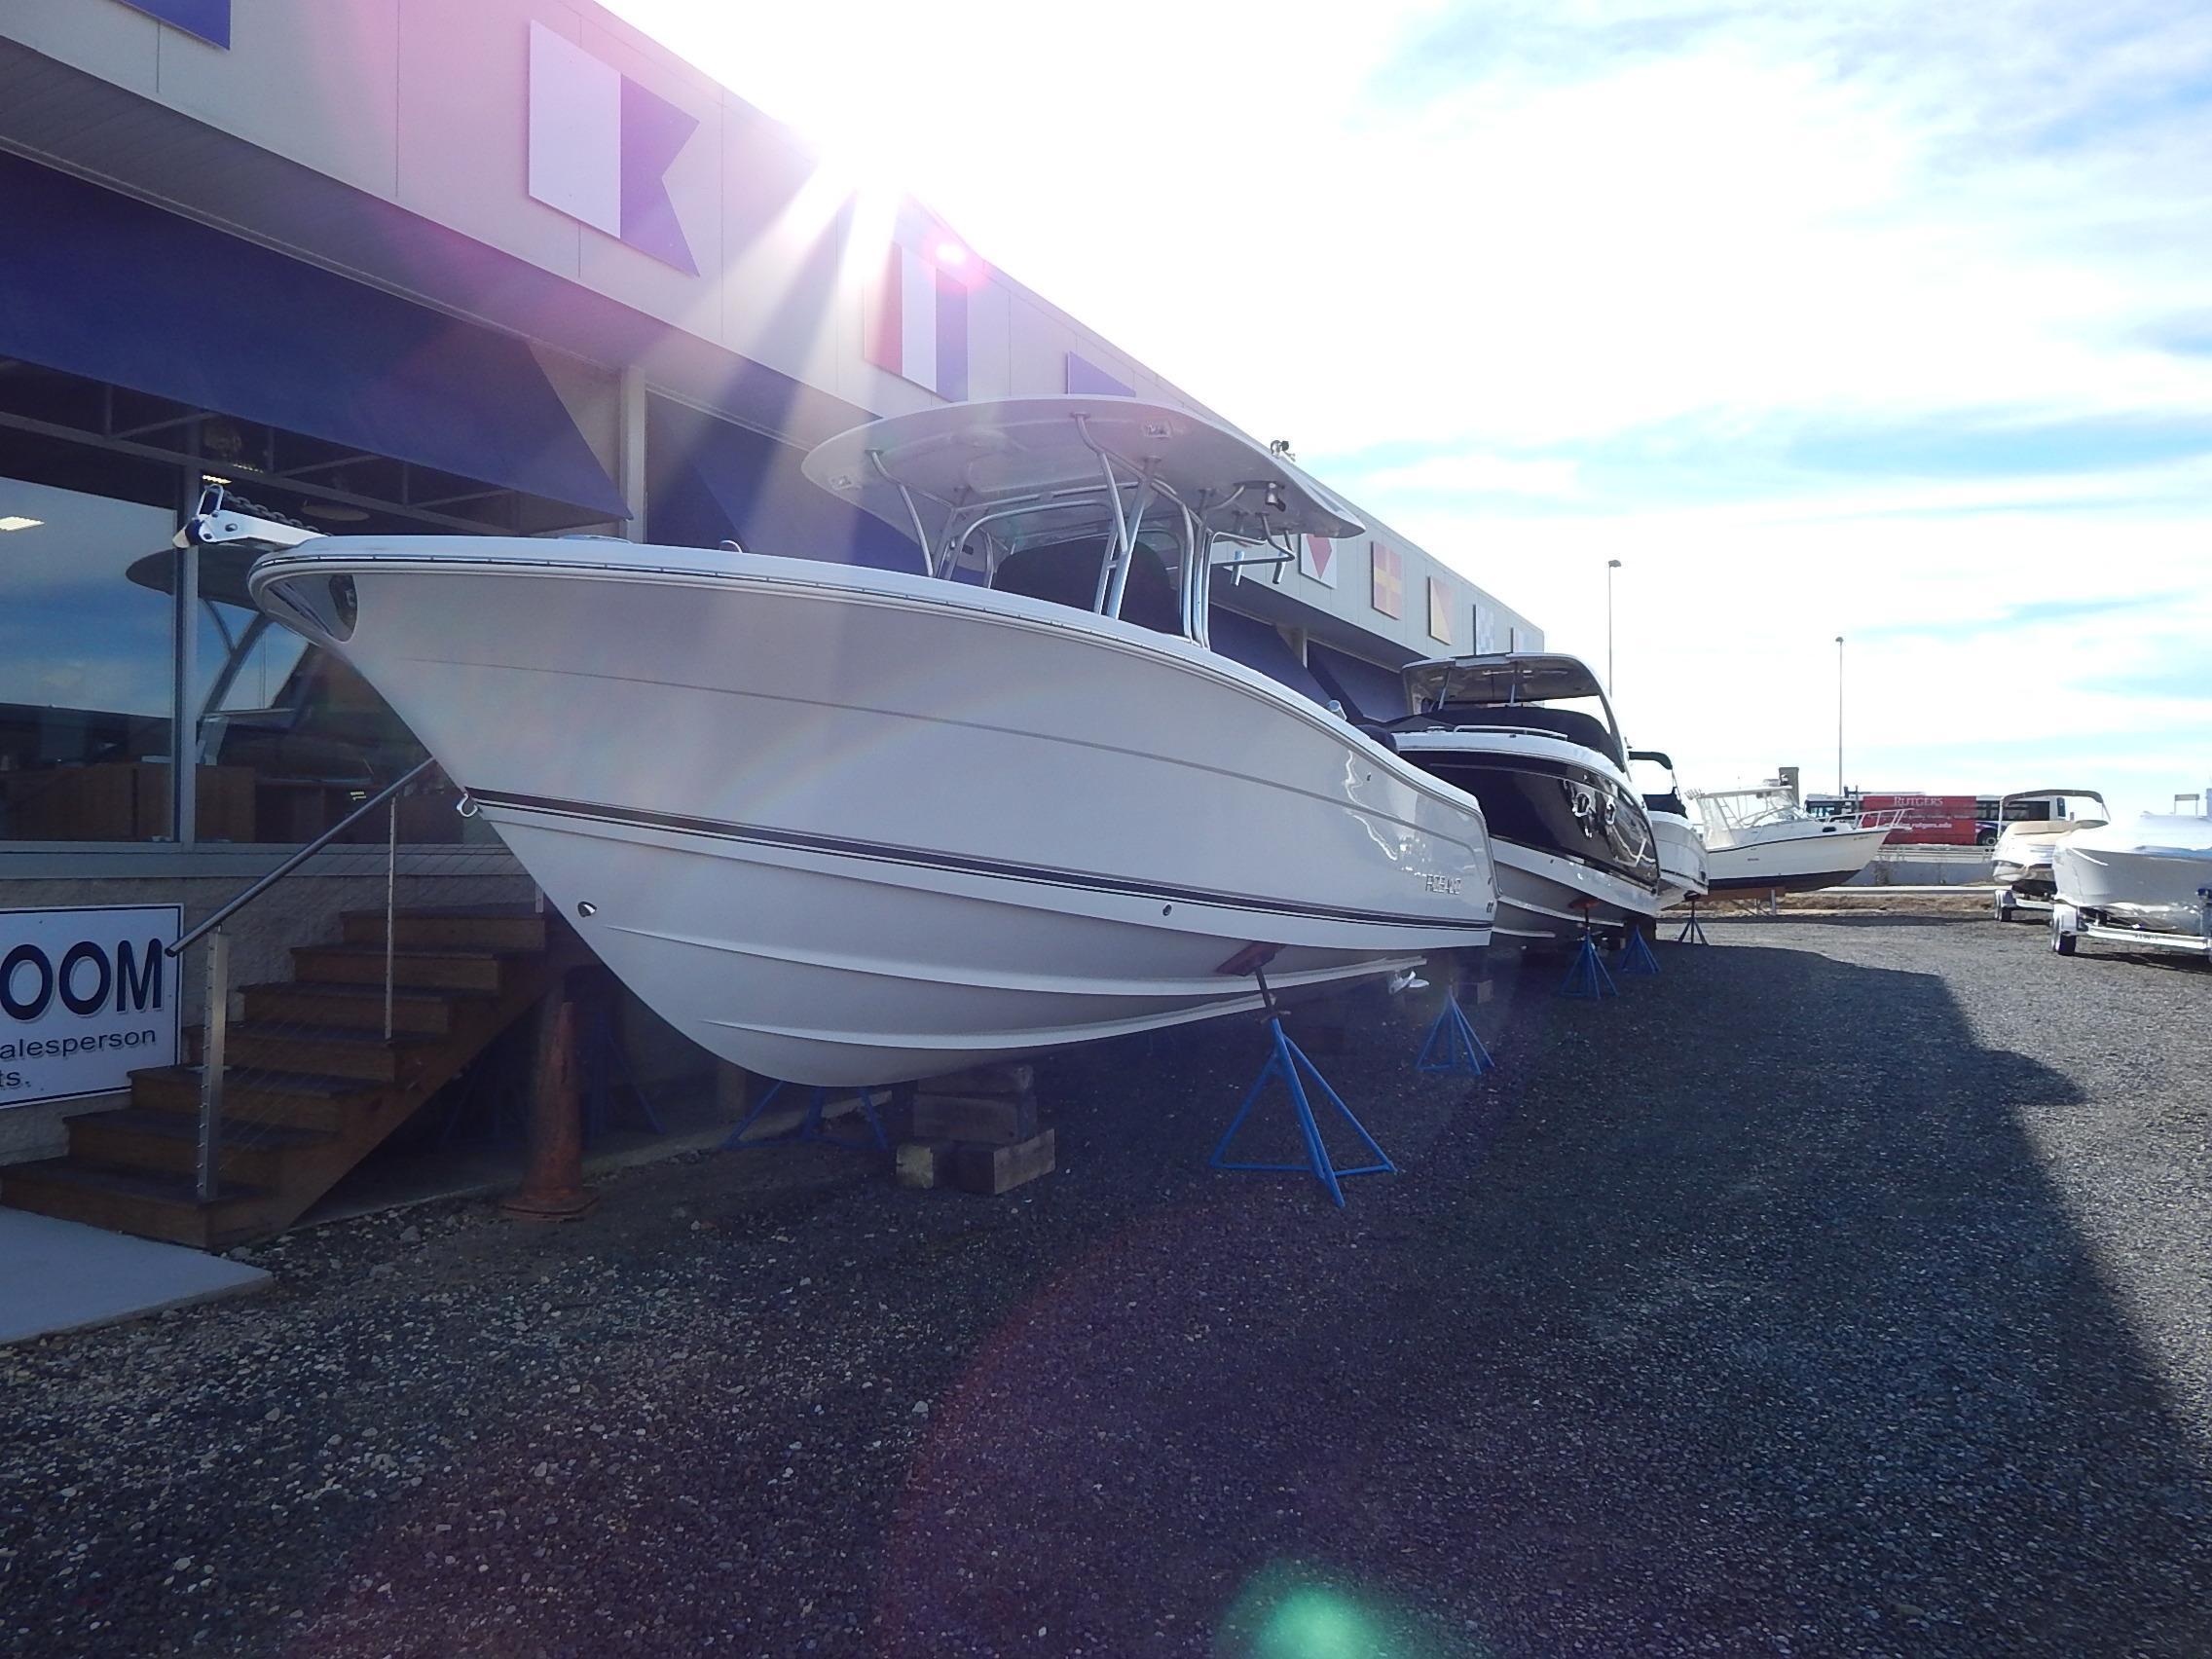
x=209 y=19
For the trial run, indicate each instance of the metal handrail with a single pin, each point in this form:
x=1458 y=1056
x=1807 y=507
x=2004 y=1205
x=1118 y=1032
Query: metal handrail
x=227 y=911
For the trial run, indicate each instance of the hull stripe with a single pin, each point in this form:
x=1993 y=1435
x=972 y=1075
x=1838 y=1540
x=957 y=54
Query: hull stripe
x=884 y=853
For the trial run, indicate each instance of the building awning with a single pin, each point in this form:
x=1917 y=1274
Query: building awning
x=1256 y=645
x=711 y=480
x=1378 y=692
x=97 y=284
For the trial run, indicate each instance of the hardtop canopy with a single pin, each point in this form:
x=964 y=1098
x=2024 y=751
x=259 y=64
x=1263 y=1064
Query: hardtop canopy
x=1068 y=466
x=1498 y=679
x=2007 y=799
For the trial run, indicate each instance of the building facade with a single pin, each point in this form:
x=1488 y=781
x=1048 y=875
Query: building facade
x=413 y=266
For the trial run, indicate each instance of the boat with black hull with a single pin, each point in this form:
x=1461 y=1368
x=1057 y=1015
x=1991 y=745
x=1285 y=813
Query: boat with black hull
x=1532 y=737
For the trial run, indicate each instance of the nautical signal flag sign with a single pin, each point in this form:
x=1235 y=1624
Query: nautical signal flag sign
x=1388 y=590
x=1086 y=379
x=209 y=19
x=600 y=146
x=1439 y=610
x=917 y=322
x=1317 y=558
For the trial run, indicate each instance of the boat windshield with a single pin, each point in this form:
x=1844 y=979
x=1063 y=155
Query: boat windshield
x=1555 y=696
x=2078 y=807
x=1653 y=774
x=1104 y=504
x=1750 y=809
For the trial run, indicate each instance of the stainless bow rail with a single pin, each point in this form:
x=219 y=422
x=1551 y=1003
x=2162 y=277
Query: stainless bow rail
x=210 y=1149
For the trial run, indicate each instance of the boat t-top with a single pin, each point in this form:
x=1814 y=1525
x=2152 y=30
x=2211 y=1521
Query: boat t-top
x=1760 y=840
x=1532 y=737
x=842 y=825
x=2031 y=822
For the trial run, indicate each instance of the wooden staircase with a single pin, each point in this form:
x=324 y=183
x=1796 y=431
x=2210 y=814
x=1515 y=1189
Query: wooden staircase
x=311 y=1085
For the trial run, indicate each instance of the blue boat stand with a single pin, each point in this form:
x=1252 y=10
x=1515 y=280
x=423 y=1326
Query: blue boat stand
x=1451 y=1045
x=1586 y=975
x=1288 y=1064
x=1635 y=955
x=809 y=1130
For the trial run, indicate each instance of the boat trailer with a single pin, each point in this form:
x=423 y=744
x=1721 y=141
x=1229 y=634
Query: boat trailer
x=2070 y=925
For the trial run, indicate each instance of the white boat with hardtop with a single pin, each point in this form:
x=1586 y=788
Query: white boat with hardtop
x=1760 y=840
x=2031 y=825
x=843 y=824
x=1682 y=849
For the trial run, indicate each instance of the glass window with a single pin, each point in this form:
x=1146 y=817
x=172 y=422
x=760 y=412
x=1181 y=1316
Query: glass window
x=291 y=739
x=86 y=668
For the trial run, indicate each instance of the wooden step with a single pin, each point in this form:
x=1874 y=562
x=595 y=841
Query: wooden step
x=355 y=1008
x=125 y=1200
x=491 y=927
x=313 y=1084
x=300 y=1100
x=330 y=1051
x=419 y=970
x=168 y=1143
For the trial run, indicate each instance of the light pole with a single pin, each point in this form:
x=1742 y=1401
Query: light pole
x=1611 y=565
x=1840 y=716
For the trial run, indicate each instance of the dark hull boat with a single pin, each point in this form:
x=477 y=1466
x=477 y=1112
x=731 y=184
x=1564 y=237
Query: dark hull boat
x=1573 y=844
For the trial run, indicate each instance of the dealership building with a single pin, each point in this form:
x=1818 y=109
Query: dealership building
x=410 y=266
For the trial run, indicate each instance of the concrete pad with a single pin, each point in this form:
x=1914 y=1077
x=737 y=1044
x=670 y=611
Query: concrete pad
x=61 y=1276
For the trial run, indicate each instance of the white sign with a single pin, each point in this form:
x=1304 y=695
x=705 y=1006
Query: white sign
x=86 y=997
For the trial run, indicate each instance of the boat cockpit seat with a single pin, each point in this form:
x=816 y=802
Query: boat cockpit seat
x=1066 y=572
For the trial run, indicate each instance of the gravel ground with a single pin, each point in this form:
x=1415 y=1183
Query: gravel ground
x=1841 y=1290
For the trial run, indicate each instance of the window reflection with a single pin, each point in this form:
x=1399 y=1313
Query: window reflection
x=85 y=669
x=290 y=738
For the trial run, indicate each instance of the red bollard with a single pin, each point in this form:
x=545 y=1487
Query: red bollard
x=553 y=1171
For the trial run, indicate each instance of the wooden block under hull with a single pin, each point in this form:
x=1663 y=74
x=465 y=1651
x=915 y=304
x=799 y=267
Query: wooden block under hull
x=923 y=1164
x=1003 y=1078
x=994 y=1169
x=994 y=1120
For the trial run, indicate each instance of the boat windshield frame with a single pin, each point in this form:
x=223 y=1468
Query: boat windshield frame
x=1670 y=799
x=1531 y=679
x=2074 y=821
x=1783 y=807
x=1262 y=506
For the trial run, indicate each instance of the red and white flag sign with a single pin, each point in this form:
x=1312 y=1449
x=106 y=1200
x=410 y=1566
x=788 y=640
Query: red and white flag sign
x=1317 y=558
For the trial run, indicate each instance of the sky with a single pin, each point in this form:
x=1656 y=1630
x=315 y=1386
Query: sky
x=1887 y=321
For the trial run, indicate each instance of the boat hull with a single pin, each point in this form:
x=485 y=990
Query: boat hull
x=1571 y=838
x=2153 y=890
x=1681 y=859
x=1795 y=863
x=1545 y=898
x=846 y=826
x=2022 y=859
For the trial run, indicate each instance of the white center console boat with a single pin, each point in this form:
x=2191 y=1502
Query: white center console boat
x=1532 y=737
x=843 y=826
x=1760 y=840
